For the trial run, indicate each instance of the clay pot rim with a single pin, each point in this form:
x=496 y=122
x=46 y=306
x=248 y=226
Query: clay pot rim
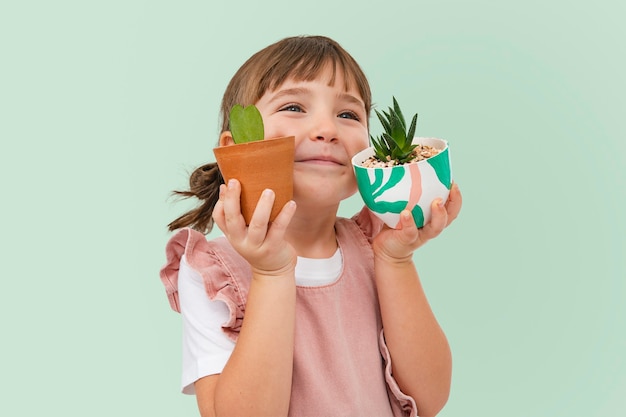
x=255 y=142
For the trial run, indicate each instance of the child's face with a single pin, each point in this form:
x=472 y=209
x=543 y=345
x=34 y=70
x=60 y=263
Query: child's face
x=330 y=126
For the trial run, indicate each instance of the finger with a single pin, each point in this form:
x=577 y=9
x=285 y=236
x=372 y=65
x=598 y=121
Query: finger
x=454 y=203
x=257 y=229
x=218 y=211
x=282 y=220
x=438 y=220
x=233 y=219
x=409 y=231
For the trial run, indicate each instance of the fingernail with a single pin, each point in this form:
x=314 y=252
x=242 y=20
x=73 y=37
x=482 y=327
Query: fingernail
x=267 y=192
x=231 y=184
x=440 y=202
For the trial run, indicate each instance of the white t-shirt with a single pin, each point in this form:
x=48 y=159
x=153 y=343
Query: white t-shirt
x=206 y=348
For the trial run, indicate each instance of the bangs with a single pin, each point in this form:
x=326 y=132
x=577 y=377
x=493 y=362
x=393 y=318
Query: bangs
x=308 y=68
x=306 y=61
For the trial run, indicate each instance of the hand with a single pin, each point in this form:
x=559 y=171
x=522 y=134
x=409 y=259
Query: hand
x=261 y=243
x=399 y=244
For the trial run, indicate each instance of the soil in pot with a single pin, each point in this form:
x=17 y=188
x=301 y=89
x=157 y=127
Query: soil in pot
x=421 y=152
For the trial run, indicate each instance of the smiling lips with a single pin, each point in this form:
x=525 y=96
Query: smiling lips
x=321 y=160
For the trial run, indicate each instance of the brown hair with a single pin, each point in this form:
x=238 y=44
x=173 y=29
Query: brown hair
x=301 y=58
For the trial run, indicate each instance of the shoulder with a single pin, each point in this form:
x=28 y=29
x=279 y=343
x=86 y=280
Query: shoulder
x=363 y=222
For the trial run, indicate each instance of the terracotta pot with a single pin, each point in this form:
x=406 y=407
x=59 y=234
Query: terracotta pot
x=387 y=191
x=257 y=166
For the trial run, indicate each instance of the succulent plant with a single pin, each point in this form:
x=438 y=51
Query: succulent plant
x=246 y=124
x=395 y=143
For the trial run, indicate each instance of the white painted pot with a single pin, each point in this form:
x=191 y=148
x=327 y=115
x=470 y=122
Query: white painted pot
x=387 y=191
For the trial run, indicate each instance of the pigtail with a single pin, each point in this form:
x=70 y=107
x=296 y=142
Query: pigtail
x=204 y=184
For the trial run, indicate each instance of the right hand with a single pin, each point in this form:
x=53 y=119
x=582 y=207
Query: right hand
x=262 y=243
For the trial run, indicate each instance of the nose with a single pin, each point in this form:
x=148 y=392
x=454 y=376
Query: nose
x=324 y=128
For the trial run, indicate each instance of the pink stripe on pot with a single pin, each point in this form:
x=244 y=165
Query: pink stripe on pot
x=416 y=187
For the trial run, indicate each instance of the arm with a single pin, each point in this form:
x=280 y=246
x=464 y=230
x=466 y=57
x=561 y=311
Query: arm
x=257 y=378
x=420 y=353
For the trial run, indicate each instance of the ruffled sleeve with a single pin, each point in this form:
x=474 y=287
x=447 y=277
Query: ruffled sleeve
x=404 y=405
x=225 y=274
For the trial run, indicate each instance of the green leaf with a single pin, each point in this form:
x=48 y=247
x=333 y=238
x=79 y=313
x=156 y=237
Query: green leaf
x=378 y=149
x=246 y=124
x=397 y=130
x=397 y=110
x=411 y=133
x=389 y=143
x=383 y=121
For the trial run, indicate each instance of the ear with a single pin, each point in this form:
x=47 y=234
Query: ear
x=226 y=138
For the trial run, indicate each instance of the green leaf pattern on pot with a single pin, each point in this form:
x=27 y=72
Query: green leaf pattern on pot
x=373 y=190
x=441 y=165
x=395 y=178
x=418 y=215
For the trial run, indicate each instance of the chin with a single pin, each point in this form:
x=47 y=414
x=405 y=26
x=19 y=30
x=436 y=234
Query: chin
x=322 y=193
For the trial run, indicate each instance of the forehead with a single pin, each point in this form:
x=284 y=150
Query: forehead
x=331 y=73
x=331 y=68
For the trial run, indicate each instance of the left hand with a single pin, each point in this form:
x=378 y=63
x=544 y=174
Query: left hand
x=399 y=244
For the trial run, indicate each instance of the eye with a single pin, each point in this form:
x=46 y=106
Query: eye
x=349 y=115
x=291 y=107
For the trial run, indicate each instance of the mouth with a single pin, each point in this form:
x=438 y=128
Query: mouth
x=320 y=160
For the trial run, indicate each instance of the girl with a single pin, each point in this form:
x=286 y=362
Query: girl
x=311 y=314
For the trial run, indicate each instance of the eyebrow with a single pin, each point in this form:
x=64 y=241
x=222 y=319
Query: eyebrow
x=350 y=98
x=303 y=90
x=289 y=92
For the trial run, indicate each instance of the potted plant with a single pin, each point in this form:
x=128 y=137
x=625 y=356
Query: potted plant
x=257 y=163
x=402 y=171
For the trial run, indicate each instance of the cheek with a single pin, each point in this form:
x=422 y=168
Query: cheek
x=360 y=142
x=275 y=129
x=272 y=125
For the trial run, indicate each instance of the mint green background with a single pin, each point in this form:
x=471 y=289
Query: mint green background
x=106 y=107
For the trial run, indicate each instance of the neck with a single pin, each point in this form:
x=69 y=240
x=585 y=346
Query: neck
x=313 y=235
